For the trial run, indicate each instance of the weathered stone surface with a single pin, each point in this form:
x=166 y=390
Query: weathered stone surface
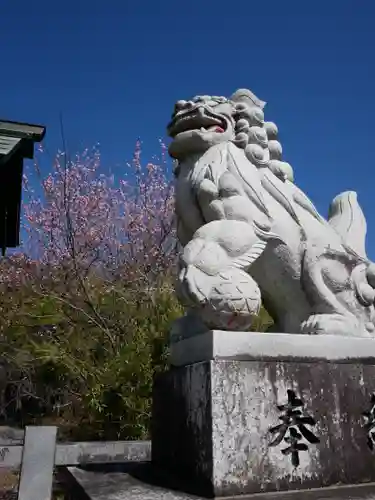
x=102 y=452
x=181 y=425
x=11 y=435
x=122 y=485
x=82 y=453
x=211 y=425
x=245 y=346
x=37 y=463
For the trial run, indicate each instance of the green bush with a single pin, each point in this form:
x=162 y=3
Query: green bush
x=91 y=372
x=86 y=365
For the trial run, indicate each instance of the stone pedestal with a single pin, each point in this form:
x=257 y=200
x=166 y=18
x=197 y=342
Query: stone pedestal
x=242 y=413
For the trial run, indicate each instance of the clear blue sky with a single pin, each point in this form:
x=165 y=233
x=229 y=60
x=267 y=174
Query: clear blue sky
x=115 y=68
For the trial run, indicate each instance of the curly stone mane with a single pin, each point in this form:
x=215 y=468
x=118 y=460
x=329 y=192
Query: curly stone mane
x=257 y=137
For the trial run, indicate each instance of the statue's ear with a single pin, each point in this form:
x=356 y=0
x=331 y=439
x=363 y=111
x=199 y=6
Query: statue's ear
x=247 y=97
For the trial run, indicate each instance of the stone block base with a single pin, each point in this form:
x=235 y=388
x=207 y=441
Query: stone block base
x=255 y=424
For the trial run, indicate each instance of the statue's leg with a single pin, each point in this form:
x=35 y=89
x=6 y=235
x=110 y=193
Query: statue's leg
x=333 y=324
x=213 y=279
x=329 y=282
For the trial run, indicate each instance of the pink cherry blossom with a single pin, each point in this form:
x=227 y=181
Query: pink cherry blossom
x=110 y=225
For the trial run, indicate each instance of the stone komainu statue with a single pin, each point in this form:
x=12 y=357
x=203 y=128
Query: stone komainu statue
x=249 y=234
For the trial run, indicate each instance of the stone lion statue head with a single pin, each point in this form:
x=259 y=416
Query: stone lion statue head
x=205 y=121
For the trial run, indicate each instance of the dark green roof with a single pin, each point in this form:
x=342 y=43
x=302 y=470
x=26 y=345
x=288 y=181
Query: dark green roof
x=23 y=130
x=16 y=143
x=8 y=144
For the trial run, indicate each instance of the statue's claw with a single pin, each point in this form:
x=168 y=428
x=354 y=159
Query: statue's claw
x=334 y=324
x=310 y=326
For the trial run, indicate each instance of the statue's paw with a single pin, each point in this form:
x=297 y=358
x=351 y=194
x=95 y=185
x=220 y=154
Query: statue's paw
x=310 y=326
x=333 y=324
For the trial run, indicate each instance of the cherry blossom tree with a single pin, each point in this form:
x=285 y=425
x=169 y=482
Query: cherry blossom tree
x=89 y=297
x=76 y=217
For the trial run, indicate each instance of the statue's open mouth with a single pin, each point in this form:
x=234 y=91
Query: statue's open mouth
x=199 y=119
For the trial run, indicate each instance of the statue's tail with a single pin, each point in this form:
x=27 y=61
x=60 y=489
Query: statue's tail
x=346 y=217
